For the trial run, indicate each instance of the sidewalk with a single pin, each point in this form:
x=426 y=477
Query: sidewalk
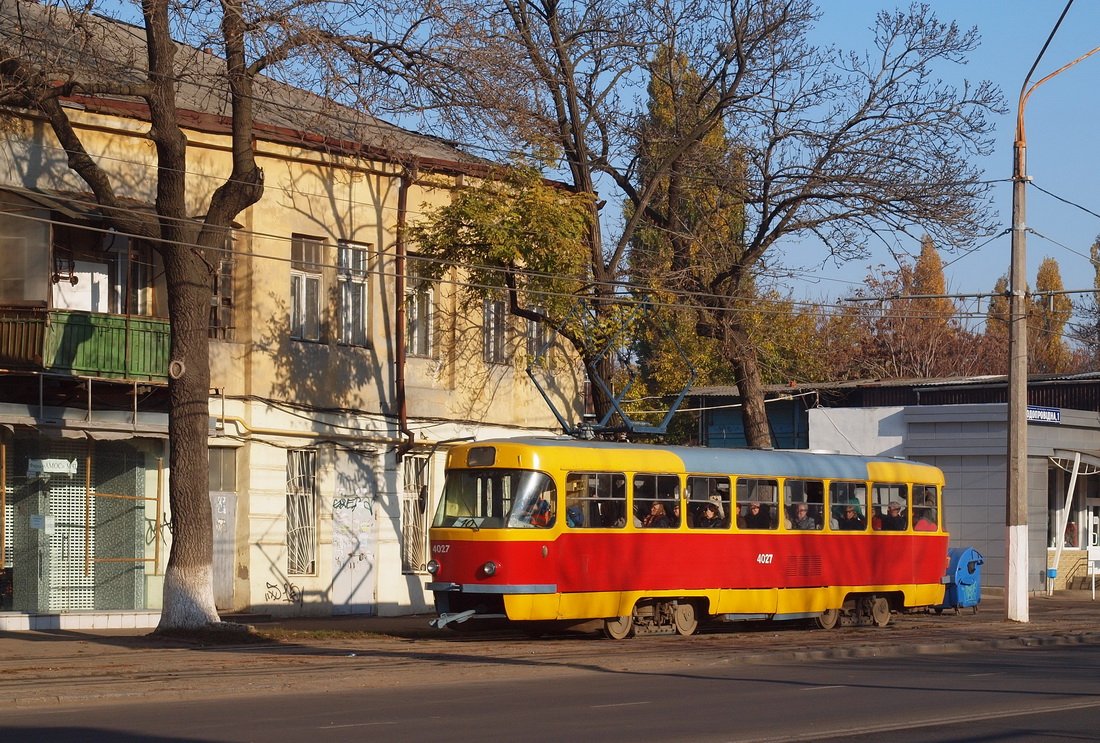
x=315 y=654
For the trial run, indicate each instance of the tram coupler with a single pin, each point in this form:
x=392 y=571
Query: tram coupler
x=446 y=618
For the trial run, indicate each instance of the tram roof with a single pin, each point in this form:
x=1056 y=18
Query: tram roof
x=773 y=462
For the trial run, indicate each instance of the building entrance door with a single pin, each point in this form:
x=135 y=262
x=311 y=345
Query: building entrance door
x=354 y=579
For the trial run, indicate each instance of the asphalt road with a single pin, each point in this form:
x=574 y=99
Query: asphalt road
x=1037 y=693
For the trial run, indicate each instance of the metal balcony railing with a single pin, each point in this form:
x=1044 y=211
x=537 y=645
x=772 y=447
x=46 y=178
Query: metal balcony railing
x=84 y=343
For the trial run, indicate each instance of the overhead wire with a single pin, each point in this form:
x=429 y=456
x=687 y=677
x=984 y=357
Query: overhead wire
x=372 y=122
x=638 y=295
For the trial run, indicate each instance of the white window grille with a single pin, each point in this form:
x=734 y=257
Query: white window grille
x=301 y=512
x=493 y=332
x=306 y=260
x=414 y=514
x=352 y=277
x=419 y=310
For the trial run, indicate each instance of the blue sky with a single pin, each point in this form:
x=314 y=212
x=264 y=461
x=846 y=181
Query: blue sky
x=1061 y=123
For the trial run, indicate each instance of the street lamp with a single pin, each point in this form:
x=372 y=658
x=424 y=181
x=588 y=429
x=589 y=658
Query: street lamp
x=1016 y=552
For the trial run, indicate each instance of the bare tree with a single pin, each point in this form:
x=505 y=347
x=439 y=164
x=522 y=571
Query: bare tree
x=50 y=55
x=1087 y=331
x=834 y=146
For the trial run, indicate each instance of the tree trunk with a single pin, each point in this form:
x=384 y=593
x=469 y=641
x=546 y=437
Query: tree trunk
x=188 y=584
x=750 y=386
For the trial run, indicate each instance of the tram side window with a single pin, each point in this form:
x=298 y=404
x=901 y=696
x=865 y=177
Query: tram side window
x=805 y=504
x=890 y=507
x=595 y=500
x=848 y=504
x=757 y=503
x=708 y=502
x=925 y=512
x=656 y=501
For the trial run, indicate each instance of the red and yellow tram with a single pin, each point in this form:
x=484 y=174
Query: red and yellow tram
x=658 y=538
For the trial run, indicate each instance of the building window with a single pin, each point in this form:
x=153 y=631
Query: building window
x=493 y=332
x=306 y=260
x=539 y=338
x=419 y=309
x=223 y=470
x=352 y=277
x=221 y=295
x=414 y=514
x=301 y=512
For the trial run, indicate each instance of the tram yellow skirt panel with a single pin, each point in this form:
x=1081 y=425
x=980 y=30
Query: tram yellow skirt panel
x=746 y=601
x=924 y=595
x=532 y=606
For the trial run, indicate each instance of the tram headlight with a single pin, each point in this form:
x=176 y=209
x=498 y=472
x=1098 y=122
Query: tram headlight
x=489 y=568
x=433 y=566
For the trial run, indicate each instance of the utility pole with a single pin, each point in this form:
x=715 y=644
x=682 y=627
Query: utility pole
x=1016 y=531
x=1016 y=549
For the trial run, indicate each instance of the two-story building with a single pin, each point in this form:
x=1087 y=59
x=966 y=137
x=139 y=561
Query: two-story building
x=338 y=374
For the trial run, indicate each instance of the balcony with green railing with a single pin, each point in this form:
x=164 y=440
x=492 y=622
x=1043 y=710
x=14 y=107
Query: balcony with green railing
x=84 y=343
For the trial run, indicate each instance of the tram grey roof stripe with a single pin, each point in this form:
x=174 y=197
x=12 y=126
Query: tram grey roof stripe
x=771 y=462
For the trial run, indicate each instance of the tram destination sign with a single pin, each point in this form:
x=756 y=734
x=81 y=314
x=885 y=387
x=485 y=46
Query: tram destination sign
x=1036 y=414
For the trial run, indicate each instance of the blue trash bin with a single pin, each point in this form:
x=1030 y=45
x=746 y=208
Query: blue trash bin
x=964 y=579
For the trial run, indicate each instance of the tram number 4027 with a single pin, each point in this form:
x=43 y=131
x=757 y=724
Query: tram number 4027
x=764 y=558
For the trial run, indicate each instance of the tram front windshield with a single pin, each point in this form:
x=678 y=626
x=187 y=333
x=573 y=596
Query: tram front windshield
x=496 y=499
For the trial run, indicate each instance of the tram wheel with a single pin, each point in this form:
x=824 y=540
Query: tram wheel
x=685 y=618
x=619 y=628
x=828 y=618
x=880 y=612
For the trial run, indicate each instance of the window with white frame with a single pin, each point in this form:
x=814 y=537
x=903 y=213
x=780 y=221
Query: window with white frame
x=539 y=337
x=301 y=512
x=415 y=513
x=419 y=309
x=494 y=332
x=352 y=277
x=306 y=261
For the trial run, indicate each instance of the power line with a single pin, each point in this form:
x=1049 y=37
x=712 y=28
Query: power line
x=637 y=295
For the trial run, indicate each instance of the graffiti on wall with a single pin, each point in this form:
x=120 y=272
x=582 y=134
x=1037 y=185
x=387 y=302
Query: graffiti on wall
x=287 y=592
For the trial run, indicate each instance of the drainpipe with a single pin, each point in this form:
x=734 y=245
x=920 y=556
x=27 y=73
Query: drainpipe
x=400 y=320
